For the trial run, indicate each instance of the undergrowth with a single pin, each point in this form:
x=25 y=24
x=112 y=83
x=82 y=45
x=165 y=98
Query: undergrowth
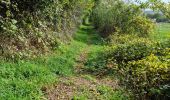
x=24 y=79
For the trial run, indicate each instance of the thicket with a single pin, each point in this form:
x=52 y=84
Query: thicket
x=32 y=27
x=116 y=16
x=145 y=69
x=142 y=64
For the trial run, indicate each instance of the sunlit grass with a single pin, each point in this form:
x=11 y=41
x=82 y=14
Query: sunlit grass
x=162 y=32
x=24 y=80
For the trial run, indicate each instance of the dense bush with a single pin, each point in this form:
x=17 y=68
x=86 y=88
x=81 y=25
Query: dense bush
x=129 y=52
x=145 y=68
x=125 y=48
x=99 y=65
x=116 y=16
x=149 y=78
x=124 y=39
x=141 y=64
x=31 y=27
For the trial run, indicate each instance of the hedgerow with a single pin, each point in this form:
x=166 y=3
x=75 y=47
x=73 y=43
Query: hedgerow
x=142 y=65
x=32 y=27
x=116 y=16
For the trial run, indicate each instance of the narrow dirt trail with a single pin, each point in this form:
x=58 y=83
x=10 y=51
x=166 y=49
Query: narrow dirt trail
x=81 y=86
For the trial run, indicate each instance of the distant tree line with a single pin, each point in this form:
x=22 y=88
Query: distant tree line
x=159 y=17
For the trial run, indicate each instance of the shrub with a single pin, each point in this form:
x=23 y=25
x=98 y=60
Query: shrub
x=110 y=16
x=162 y=49
x=164 y=44
x=33 y=27
x=124 y=39
x=142 y=65
x=98 y=64
x=142 y=26
x=147 y=77
x=131 y=51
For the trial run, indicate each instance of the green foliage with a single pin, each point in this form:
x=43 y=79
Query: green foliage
x=26 y=79
x=142 y=26
x=124 y=39
x=161 y=32
x=141 y=64
x=103 y=93
x=63 y=64
x=94 y=63
x=23 y=80
x=109 y=94
x=131 y=51
x=32 y=27
x=116 y=16
x=159 y=17
x=160 y=6
x=98 y=64
x=145 y=68
x=148 y=76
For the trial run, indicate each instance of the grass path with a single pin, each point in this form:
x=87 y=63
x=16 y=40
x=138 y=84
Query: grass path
x=84 y=86
x=58 y=76
x=75 y=84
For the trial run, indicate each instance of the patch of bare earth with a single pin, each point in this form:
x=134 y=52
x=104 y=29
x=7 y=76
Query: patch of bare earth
x=68 y=87
x=81 y=59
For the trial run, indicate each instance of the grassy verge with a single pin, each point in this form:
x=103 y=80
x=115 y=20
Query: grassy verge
x=162 y=32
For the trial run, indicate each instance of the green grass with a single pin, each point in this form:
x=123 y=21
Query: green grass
x=162 y=32
x=102 y=92
x=23 y=80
